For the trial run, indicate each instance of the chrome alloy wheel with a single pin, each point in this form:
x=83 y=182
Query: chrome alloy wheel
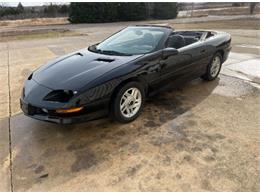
x=130 y=102
x=215 y=66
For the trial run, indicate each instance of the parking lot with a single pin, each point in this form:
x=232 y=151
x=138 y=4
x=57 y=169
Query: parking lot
x=203 y=136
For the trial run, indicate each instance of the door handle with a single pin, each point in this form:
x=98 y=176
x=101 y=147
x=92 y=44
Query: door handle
x=156 y=68
x=203 y=51
x=162 y=65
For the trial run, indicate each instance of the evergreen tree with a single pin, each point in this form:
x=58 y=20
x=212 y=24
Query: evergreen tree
x=81 y=12
x=20 y=8
x=165 y=10
x=132 y=11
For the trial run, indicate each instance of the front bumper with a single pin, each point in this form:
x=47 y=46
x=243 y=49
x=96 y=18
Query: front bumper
x=95 y=112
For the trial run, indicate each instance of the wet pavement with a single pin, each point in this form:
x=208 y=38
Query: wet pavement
x=203 y=136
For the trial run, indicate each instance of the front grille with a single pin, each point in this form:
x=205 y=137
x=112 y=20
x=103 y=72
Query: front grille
x=32 y=110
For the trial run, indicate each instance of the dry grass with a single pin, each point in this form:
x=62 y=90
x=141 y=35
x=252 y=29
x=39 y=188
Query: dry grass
x=235 y=11
x=225 y=11
x=40 y=35
x=253 y=24
x=34 y=21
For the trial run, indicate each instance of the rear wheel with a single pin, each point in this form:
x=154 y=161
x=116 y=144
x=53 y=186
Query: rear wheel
x=213 y=68
x=128 y=102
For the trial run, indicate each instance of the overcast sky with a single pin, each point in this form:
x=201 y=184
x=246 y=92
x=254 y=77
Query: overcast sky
x=14 y=4
x=32 y=3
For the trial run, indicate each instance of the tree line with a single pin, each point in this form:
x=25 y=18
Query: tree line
x=80 y=12
x=112 y=12
x=92 y=12
x=21 y=12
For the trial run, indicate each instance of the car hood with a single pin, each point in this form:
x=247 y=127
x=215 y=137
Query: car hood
x=75 y=70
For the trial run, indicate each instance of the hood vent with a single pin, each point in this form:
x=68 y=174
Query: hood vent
x=105 y=60
x=79 y=53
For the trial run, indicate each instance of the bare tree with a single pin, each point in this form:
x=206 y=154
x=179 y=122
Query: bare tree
x=252 y=6
x=3 y=4
x=192 y=8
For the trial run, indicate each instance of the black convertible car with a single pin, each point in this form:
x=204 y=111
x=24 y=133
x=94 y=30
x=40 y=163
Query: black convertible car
x=115 y=76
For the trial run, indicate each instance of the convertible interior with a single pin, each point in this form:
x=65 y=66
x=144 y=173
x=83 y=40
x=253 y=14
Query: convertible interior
x=180 y=39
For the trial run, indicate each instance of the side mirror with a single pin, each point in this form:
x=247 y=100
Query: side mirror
x=169 y=51
x=92 y=47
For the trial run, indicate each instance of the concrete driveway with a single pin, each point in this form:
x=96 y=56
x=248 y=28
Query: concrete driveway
x=203 y=136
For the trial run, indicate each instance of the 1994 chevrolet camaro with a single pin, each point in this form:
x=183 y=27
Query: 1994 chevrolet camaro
x=115 y=76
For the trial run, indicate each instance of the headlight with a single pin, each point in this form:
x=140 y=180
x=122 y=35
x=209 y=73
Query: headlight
x=59 y=96
x=30 y=77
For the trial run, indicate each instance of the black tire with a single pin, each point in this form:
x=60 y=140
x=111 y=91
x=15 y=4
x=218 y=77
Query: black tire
x=115 y=111
x=207 y=76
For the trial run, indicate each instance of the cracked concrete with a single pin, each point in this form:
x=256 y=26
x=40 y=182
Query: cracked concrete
x=204 y=136
x=5 y=174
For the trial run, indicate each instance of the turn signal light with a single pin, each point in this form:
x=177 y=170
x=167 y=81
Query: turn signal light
x=69 y=110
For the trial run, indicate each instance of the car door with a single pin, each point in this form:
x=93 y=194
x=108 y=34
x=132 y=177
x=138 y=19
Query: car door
x=200 y=57
x=174 y=67
x=188 y=64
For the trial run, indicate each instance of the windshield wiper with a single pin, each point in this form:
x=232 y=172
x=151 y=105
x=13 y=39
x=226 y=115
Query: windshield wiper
x=111 y=52
x=108 y=52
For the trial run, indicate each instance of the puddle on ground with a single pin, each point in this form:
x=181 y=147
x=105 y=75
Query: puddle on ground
x=249 y=68
x=231 y=87
x=249 y=46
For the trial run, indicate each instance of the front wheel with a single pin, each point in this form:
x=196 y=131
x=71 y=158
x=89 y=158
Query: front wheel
x=213 y=68
x=128 y=102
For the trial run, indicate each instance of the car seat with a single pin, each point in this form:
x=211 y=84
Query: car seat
x=189 y=40
x=176 y=41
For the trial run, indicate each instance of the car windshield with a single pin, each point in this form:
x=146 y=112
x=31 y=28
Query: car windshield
x=130 y=41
